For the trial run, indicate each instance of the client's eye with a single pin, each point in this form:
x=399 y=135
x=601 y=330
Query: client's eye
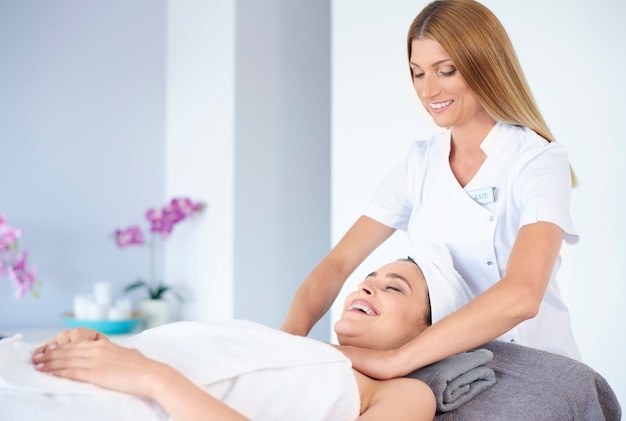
x=392 y=288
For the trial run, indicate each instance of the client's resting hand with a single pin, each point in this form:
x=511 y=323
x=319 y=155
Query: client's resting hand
x=78 y=334
x=100 y=362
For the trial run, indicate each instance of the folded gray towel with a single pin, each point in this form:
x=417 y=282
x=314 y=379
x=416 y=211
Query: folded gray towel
x=539 y=386
x=457 y=379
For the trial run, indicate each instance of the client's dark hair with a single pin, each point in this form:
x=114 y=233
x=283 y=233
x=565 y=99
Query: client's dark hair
x=427 y=316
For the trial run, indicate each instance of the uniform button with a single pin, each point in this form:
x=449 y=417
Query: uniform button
x=489 y=262
x=492 y=218
x=512 y=341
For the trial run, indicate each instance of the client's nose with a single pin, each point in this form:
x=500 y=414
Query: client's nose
x=366 y=289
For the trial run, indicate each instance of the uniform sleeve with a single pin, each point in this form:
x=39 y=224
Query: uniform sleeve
x=393 y=200
x=545 y=188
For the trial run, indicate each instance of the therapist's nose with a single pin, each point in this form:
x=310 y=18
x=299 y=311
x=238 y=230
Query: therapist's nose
x=428 y=87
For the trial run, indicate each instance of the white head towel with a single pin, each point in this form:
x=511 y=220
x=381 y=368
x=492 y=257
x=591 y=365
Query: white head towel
x=446 y=288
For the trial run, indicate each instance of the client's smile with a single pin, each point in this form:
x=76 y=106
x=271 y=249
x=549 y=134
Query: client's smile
x=364 y=307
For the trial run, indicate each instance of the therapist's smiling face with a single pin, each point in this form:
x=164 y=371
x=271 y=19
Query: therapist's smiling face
x=441 y=88
x=389 y=308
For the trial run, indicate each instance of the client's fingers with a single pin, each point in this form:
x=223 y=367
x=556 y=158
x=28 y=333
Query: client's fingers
x=69 y=367
x=72 y=336
x=61 y=338
x=45 y=347
x=69 y=355
x=83 y=333
x=102 y=363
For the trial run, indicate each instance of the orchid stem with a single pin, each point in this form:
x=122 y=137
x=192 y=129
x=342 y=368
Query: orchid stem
x=152 y=266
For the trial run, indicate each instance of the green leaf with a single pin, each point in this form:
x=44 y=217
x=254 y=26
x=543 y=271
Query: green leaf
x=158 y=293
x=135 y=285
x=161 y=290
x=153 y=293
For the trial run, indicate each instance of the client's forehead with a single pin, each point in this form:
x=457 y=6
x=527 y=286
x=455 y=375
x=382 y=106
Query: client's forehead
x=405 y=268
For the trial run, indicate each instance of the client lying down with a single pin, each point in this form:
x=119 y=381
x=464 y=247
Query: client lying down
x=236 y=370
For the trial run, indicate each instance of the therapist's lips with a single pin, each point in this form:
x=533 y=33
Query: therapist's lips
x=363 y=307
x=438 y=107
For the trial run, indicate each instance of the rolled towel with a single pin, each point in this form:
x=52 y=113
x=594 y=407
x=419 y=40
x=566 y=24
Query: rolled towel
x=446 y=288
x=457 y=379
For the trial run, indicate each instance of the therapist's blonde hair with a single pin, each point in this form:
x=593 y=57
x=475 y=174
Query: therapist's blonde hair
x=483 y=53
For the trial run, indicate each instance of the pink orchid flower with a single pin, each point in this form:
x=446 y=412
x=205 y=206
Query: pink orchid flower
x=13 y=263
x=8 y=235
x=173 y=214
x=185 y=206
x=129 y=236
x=161 y=221
x=23 y=278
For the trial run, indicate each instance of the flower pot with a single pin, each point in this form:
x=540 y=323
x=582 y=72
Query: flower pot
x=156 y=311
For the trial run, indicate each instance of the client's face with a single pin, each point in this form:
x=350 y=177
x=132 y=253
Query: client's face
x=388 y=310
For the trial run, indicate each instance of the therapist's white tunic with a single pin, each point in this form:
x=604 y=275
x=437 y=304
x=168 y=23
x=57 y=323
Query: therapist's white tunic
x=524 y=179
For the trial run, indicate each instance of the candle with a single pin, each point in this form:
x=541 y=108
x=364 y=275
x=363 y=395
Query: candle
x=124 y=306
x=102 y=293
x=80 y=307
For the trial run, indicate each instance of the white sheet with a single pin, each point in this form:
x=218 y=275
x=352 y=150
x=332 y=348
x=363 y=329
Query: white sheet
x=264 y=373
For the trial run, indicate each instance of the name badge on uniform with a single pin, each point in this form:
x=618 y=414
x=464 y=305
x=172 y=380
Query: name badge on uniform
x=484 y=195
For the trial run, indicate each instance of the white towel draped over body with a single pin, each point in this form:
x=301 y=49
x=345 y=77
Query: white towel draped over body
x=264 y=373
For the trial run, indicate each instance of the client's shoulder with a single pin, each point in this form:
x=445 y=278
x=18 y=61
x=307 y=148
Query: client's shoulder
x=397 y=399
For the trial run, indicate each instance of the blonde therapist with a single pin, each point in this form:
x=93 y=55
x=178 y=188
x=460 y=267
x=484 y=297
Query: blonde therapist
x=493 y=186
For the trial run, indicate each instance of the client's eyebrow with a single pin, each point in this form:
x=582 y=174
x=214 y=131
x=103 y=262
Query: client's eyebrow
x=400 y=277
x=392 y=276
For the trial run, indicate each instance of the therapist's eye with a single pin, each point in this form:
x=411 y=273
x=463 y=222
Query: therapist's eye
x=446 y=71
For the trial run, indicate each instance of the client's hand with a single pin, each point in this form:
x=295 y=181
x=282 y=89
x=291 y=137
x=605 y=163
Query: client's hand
x=102 y=363
x=71 y=336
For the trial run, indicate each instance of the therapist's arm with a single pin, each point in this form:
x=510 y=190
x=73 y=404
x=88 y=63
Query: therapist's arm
x=322 y=285
x=513 y=299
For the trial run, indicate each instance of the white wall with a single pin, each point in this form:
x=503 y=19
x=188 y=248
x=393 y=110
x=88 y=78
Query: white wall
x=248 y=131
x=200 y=135
x=571 y=52
x=113 y=107
x=81 y=142
x=282 y=147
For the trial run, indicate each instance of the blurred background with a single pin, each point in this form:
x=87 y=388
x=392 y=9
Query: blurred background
x=282 y=116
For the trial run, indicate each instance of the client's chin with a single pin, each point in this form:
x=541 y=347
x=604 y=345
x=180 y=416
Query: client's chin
x=351 y=332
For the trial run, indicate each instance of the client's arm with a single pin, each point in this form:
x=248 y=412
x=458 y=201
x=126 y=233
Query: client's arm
x=90 y=357
x=127 y=370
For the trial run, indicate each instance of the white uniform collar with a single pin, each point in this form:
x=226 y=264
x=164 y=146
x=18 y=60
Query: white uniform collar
x=490 y=144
